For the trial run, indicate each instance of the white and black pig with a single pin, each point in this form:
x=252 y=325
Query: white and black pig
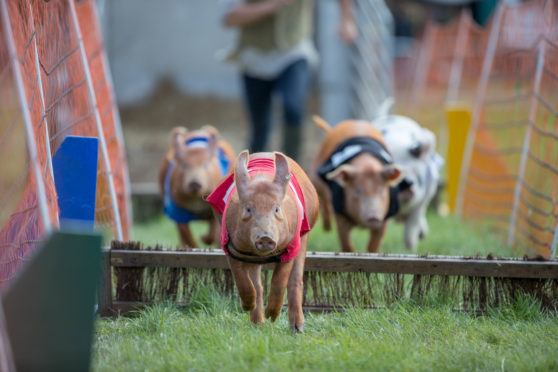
x=413 y=150
x=194 y=165
x=266 y=208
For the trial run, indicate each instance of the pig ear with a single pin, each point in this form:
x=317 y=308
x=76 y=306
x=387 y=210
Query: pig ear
x=282 y=172
x=241 y=177
x=212 y=138
x=391 y=173
x=177 y=138
x=342 y=175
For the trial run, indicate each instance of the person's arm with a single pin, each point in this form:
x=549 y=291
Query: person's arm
x=246 y=13
x=347 y=28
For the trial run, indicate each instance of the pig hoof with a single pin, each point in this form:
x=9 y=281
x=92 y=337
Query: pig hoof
x=248 y=307
x=272 y=314
x=207 y=239
x=297 y=328
x=257 y=321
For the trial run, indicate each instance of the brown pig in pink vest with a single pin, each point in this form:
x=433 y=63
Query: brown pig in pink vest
x=194 y=165
x=266 y=208
x=354 y=173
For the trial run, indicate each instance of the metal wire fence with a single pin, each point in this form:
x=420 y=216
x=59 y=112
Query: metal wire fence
x=371 y=59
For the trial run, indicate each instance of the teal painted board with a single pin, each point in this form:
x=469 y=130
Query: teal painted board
x=49 y=308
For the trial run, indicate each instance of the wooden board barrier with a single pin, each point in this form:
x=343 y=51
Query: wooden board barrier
x=354 y=262
x=326 y=262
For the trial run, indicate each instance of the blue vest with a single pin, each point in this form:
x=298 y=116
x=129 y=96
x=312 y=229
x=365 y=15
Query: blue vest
x=171 y=209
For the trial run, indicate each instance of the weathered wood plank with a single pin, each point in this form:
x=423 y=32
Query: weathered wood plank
x=207 y=260
x=356 y=262
x=104 y=294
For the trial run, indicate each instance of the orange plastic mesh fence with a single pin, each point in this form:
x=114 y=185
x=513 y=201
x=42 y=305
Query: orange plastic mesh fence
x=508 y=174
x=535 y=222
x=471 y=46
x=55 y=97
x=106 y=103
x=432 y=75
x=404 y=71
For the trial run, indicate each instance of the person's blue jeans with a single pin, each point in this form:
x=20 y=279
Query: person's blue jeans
x=292 y=86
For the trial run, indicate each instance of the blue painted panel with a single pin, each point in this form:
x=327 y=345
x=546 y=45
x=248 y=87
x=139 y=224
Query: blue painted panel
x=75 y=176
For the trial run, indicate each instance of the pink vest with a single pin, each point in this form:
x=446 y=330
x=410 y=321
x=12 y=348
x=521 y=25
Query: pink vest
x=221 y=197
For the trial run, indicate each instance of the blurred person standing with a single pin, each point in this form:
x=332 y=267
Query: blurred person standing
x=275 y=52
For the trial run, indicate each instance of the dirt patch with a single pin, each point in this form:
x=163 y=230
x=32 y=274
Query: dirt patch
x=146 y=127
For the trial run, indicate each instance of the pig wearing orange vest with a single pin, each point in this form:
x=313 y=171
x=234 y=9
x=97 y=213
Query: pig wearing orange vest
x=266 y=209
x=193 y=166
x=353 y=173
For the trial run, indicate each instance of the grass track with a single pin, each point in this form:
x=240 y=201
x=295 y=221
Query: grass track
x=448 y=236
x=214 y=335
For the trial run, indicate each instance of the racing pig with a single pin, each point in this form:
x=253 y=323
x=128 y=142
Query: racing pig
x=193 y=166
x=266 y=209
x=412 y=148
x=353 y=172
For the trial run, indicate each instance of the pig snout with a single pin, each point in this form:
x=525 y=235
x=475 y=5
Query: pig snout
x=372 y=212
x=373 y=220
x=194 y=187
x=265 y=243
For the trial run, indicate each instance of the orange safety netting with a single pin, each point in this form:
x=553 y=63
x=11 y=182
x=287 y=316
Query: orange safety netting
x=502 y=121
x=507 y=74
x=536 y=216
x=45 y=96
x=432 y=74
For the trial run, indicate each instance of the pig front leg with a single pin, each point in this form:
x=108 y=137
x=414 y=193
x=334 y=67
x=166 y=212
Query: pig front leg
x=186 y=236
x=423 y=226
x=376 y=236
x=414 y=225
x=324 y=200
x=325 y=208
x=212 y=235
x=246 y=290
x=344 y=232
x=256 y=315
x=295 y=287
x=277 y=288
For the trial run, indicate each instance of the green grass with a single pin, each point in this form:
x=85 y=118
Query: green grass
x=448 y=236
x=214 y=335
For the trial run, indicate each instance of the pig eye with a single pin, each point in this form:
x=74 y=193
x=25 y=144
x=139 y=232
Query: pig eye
x=358 y=191
x=277 y=210
x=247 y=212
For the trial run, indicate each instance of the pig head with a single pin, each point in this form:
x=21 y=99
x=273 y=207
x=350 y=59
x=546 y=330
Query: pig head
x=193 y=166
x=413 y=148
x=353 y=173
x=266 y=209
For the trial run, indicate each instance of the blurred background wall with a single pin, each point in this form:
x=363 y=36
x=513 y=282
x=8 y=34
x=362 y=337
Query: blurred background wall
x=163 y=57
x=176 y=40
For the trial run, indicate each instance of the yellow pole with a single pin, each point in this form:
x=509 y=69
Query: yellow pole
x=458 y=118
